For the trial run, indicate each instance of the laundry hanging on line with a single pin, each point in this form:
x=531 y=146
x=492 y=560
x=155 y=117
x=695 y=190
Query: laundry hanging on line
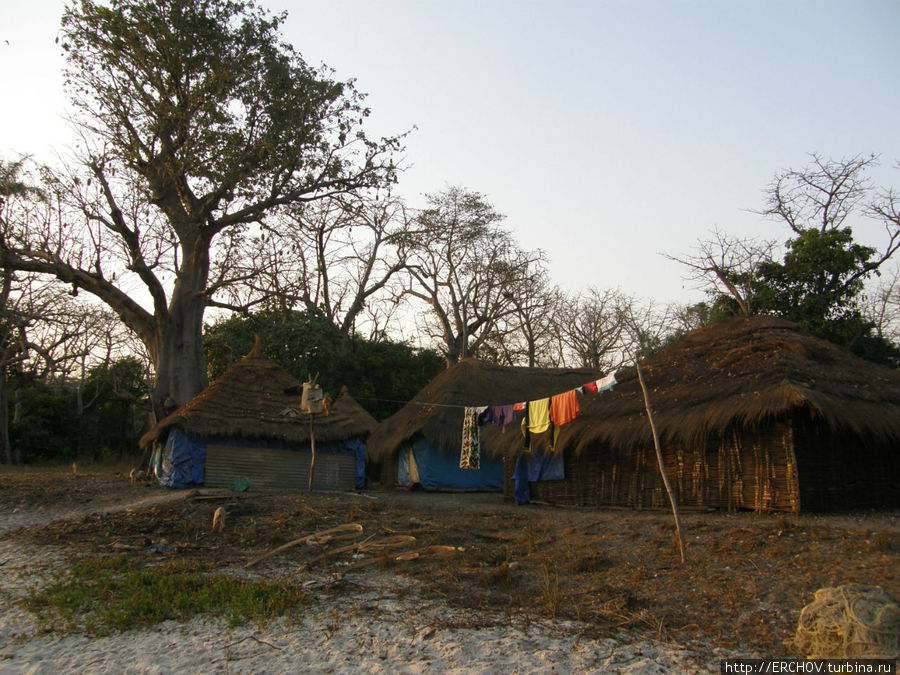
x=539 y=416
x=470 y=454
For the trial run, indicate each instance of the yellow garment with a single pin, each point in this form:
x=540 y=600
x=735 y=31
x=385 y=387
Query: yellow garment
x=538 y=416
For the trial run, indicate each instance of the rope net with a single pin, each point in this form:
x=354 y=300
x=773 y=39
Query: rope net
x=851 y=621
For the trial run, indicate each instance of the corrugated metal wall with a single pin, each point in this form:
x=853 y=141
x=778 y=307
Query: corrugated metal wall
x=281 y=469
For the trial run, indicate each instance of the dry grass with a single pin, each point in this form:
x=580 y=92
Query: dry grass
x=745 y=581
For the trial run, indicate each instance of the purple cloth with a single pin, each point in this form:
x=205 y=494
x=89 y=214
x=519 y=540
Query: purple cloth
x=501 y=415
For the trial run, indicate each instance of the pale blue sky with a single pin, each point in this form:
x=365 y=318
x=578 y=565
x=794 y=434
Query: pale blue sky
x=607 y=132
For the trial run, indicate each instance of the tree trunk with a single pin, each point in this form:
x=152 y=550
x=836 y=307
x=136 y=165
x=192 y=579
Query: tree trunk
x=180 y=366
x=17 y=418
x=4 y=416
x=79 y=411
x=455 y=349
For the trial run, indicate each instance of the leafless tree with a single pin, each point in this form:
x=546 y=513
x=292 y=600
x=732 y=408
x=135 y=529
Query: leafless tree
x=527 y=336
x=818 y=198
x=46 y=334
x=882 y=305
x=646 y=326
x=823 y=195
x=728 y=265
x=339 y=255
x=591 y=329
x=467 y=269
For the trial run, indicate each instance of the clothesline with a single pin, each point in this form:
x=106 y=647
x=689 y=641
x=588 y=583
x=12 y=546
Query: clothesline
x=422 y=403
x=608 y=381
x=539 y=415
x=547 y=412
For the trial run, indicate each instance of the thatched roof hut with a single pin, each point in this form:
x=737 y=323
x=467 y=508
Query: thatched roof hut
x=254 y=400
x=254 y=405
x=743 y=372
x=752 y=413
x=430 y=425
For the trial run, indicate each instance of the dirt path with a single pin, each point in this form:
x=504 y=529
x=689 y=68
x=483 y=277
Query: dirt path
x=614 y=573
x=45 y=514
x=371 y=622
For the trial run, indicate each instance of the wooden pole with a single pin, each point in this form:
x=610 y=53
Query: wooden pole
x=312 y=447
x=659 y=457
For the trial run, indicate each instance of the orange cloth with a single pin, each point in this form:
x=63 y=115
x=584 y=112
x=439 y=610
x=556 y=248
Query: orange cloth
x=564 y=408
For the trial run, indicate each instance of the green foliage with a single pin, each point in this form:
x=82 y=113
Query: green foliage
x=819 y=285
x=381 y=374
x=198 y=122
x=115 y=398
x=211 y=87
x=11 y=183
x=303 y=343
x=50 y=428
x=818 y=281
x=100 y=596
x=47 y=425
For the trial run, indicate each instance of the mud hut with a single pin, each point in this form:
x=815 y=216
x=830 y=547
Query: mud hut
x=420 y=444
x=248 y=424
x=752 y=413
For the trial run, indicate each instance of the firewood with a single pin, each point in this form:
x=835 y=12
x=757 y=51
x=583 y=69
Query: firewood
x=348 y=527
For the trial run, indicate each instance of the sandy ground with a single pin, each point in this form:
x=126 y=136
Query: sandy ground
x=385 y=619
x=386 y=626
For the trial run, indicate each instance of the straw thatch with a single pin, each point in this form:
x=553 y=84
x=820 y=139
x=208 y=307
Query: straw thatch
x=752 y=413
x=435 y=413
x=249 y=401
x=741 y=372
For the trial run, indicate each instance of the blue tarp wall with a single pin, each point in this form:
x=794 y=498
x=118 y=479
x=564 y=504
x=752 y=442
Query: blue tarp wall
x=182 y=462
x=439 y=469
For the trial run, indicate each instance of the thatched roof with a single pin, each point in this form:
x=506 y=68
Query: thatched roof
x=249 y=401
x=436 y=412
x=741 y=372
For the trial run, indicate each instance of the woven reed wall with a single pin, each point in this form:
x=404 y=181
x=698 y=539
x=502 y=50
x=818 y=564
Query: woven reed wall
x=839 y=472
x=750 y=469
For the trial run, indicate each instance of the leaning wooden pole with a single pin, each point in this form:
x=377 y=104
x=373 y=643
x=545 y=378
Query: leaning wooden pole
x=312 y=447
x=659 y=457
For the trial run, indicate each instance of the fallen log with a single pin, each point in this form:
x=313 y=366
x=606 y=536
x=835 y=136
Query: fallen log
x=311 y=539
x=378 y=546
x=435 y=550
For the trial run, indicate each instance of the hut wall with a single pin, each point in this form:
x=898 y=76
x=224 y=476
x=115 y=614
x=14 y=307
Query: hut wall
x=337 y=467
x=752 y=469
x=388 y=470
x=841 y=471
x=437 y=468
x=603 y=478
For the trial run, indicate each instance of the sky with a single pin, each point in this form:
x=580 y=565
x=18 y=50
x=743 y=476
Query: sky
x=609 y=133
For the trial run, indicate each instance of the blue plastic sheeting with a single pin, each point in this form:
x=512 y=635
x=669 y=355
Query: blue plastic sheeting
x=182 y=462
x=532 y=467
x=439 y=469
